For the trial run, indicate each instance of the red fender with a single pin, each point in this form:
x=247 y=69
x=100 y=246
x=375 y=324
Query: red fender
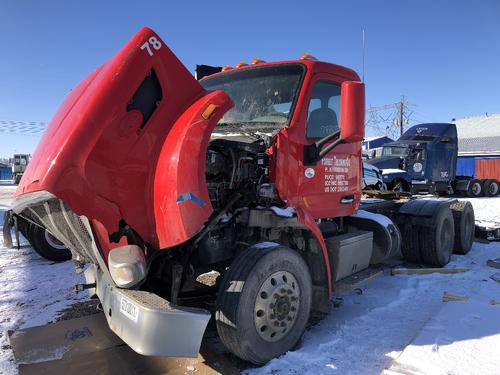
x=307 y=220
x=181 y=201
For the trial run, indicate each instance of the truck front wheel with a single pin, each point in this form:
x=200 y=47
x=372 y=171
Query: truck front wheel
x=47 y=245
x=264 y=302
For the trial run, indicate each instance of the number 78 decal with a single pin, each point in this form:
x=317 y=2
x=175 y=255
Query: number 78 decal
x=151 y=42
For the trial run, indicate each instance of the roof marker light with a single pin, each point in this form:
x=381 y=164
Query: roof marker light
x=226 y=67
x=240 y=64
x=257 y=61
x=307 y=56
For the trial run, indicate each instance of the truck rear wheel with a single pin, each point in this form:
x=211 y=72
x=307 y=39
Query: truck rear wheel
x=46 y=245
x=464 y=222
x=474 y=189
x=490 y=188
x=436 y=243
x=264 y=302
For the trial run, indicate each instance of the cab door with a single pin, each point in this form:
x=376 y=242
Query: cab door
x=330 y=187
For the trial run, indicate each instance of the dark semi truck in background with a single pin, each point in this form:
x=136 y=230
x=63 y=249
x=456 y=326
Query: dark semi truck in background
x=424 y=160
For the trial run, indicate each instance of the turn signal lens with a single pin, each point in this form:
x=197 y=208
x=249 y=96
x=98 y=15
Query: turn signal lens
x=209 y=111
x=307 y=56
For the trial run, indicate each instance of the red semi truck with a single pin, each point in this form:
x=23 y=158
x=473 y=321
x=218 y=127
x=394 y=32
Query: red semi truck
x=155 y=181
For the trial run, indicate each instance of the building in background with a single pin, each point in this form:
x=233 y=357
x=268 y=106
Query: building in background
x=5 y=171
x=372 y=146
x=479 y=146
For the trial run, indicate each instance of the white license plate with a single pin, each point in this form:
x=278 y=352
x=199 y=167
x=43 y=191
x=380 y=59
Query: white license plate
x=129 y=309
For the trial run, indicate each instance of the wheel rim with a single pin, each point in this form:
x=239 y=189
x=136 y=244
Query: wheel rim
x=276 y=306
x=398 y=187
x=54 y=242
x=493 y=189
x=476 y=188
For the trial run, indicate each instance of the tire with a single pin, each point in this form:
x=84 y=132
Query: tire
x=47 y=245
x=410 y=243
x=436 y=243
x=464 y=223
x=474 y=189
x=490 y=188
x=242 y=303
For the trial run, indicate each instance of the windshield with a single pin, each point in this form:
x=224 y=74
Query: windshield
x=264 y=98
x=395 y=151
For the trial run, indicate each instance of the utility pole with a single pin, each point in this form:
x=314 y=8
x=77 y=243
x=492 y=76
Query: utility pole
x=401 y=114
x=390 y=119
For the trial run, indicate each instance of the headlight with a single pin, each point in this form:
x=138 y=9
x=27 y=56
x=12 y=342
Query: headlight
x=417 y=167
x=127 y=265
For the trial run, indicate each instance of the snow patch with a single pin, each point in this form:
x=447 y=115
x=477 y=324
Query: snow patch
x=284 y=212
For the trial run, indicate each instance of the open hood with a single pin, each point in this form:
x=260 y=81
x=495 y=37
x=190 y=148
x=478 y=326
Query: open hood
x=129 y=143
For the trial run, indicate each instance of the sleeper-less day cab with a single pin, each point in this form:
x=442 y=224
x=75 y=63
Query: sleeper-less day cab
x=156 y=182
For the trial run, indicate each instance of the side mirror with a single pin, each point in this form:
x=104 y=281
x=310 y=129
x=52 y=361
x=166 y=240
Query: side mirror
x=352 y=110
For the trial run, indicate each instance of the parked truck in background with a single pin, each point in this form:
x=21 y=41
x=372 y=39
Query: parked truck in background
x=19 y=163
x=424 y=159
x=161 y=180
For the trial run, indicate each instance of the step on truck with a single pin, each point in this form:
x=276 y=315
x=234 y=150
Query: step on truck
x=236 y=196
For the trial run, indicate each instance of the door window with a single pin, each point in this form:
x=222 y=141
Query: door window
x=324 y=110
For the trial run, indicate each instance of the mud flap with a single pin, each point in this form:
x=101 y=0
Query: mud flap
x=7 y=225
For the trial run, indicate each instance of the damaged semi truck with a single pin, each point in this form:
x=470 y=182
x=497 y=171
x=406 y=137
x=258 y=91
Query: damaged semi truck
x=154 y=180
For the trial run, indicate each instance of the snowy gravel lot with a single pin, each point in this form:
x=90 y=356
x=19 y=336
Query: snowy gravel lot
x=362 y=336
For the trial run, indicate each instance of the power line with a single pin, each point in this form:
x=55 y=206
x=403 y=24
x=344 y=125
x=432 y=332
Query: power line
x=390 y=119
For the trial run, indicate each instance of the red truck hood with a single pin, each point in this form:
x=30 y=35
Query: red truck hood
x=129 y=143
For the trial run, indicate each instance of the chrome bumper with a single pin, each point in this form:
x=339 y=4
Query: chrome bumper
x=147 y=323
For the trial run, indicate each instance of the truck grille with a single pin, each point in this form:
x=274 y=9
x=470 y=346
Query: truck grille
x=62 y=223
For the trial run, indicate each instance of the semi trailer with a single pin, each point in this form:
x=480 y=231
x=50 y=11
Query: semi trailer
x=154 y=180
x=424 y=159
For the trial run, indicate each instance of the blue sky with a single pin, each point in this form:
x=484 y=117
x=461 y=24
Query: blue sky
x=444 y=56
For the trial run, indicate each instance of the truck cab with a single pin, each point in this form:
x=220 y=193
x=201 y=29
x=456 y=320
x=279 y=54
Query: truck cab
x=423 y=159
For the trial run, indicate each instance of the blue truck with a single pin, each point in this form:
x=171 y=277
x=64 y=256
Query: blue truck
x=424 y=160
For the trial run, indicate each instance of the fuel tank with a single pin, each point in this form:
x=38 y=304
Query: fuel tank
x=127 y=145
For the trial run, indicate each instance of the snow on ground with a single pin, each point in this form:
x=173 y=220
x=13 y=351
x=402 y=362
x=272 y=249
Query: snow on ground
x=368 y=331
x=486 y=210
x=32 y=290
x=362 y=336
